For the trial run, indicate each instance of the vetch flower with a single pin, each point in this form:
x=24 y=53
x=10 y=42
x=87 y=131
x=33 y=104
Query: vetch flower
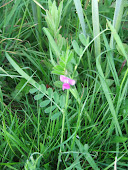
x=66 y=86
x=66 y=82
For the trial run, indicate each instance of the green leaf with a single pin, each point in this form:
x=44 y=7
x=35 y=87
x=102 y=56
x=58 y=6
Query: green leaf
x=76 y=47
x=62 y=101
x=16 y=95
x=83 y=40
x=55 y=116
x=21 y=89
x=58 y=67
x=125 y=47
x=70 y=56
x=75 y=94
x=33 y=90
x=87 y=155
x=75 y=73
x=56 y=97
x=74 y=61
x=38 y=96
x=50 y=92
x=52 y=42
x=44 y=103
x=58 y=84
x=50 y=109
x=57 y=72
x=61 y=42
x=37 y=85
x=62 y=64
x=70 y=67
x=86 y=147
x=60 y=11
x=109 y=82
x=119 y=139
x=51 y=57
x=53 y=16
x=20 y=71
x=43 y=88
x=20 y=85
x=118 y=40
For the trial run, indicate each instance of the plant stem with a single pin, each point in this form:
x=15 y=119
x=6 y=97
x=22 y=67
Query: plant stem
x=62 y=130
x=77 y=127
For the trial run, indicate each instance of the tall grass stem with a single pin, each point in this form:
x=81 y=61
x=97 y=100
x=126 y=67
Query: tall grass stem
x=80 y=15
x=96 y=27
x=119 y=8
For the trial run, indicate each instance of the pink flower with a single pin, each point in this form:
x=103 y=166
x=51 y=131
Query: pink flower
x=66 y=82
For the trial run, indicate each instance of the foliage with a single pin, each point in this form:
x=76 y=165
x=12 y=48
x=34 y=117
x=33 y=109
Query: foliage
x=42 y=126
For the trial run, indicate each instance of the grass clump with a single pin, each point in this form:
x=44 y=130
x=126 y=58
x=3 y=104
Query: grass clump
x=84 y=126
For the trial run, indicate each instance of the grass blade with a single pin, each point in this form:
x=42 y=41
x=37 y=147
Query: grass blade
x=118 y=14
x=36 y=9
x=118 y=40
x=110 y=63
x=117 y=17
x=80 y=15
x=14 y=8
x=96 y=29
x=52 y=42
x=107 y=94
x=87 y=155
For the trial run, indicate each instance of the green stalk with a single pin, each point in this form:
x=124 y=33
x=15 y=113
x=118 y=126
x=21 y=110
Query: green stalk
x=119 y=8
x=80 y=15
x=39 y=27
x=39 y=129
x=77 y=64
x=77 y=127
x=79 y=120
x=96 y=29
x=64 y=114
x=116 y=24
x=37 y=20
x=47 y=127
x=87 y=21
x=1 y=100
x=62 y=130
x=22 y=23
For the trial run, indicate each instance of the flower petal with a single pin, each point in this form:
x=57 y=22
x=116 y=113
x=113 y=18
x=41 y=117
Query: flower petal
x=66 y=86
x=72 y=82
x=67 y=80
x=63 y=79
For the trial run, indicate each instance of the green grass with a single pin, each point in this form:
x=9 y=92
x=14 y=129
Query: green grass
x=42 y=126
